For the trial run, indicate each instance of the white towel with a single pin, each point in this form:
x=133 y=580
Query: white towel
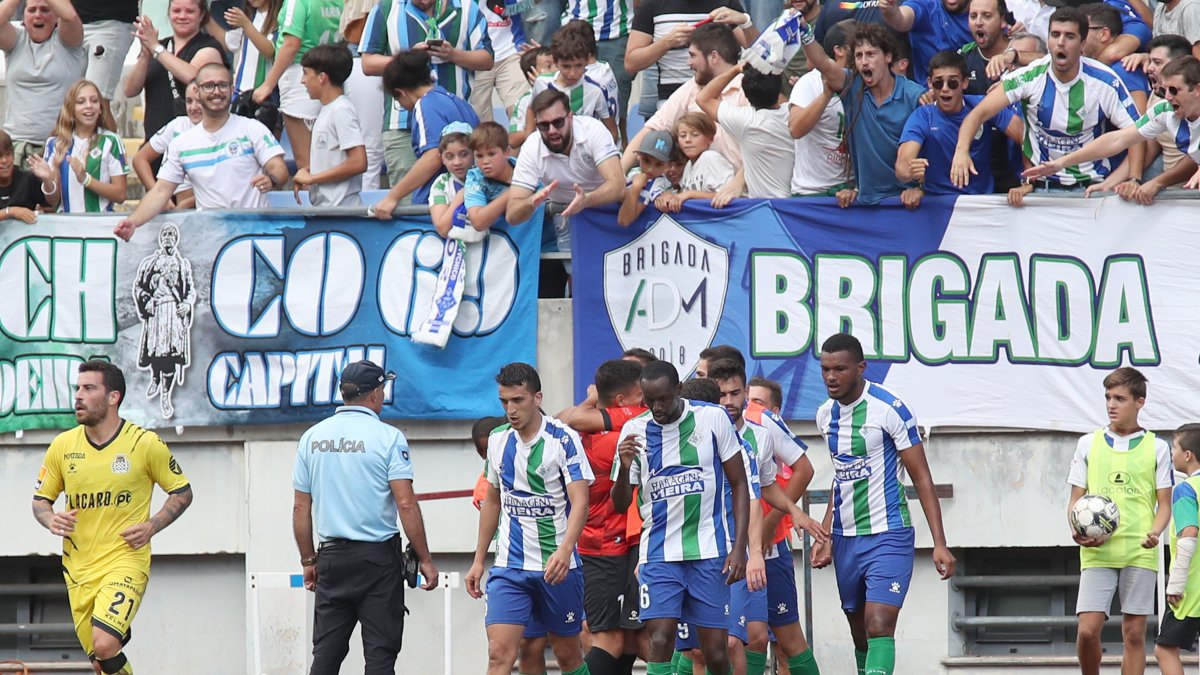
x=778 y=44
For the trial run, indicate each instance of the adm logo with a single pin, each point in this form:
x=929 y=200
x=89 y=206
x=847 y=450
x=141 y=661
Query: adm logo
x=665 y=291
x=1118 y=478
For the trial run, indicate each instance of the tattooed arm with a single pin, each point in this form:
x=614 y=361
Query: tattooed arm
x=177 y=502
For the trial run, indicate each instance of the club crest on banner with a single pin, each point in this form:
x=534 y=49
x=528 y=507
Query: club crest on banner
x=665 y=292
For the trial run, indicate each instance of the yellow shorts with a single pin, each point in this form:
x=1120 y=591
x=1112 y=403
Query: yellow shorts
x=109 y=603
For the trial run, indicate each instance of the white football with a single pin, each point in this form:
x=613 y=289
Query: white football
x=1095 y=516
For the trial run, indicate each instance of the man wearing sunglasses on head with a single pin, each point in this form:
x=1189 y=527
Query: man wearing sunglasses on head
x=574 y=157
x=1177 y=114
x=931 y=134
x=231 y=161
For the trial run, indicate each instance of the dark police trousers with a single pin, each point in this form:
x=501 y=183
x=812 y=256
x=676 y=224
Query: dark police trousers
x=359 y=582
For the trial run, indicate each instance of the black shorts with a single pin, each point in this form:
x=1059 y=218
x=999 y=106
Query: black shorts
x=604 y=582
x=1178 y=632
x=631 y=608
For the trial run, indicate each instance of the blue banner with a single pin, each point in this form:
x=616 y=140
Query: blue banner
x=958 y=304
x=246 y=318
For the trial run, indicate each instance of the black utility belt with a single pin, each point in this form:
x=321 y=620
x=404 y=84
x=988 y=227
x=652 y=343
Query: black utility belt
x=334 y=544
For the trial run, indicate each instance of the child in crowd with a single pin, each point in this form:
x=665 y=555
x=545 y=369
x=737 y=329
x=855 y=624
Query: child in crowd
x=20 y=195
x=338 y=154
x=445 y=195
x=153 y=149
x=534 y=63
x=706 y=171
x=647 y=181
x=86 y=153
x=251 y=39
x=675 y=168
x=303 y=24
x=598 y=70
x=486 y=193
x=588 y=97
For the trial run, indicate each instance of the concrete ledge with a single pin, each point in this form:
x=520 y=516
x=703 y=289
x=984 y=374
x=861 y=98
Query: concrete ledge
x=964 y=662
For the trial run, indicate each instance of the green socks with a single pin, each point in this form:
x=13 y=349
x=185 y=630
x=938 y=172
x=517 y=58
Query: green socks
x=756 y=662
x=803 y=664
x=664 y=668
x=683 y=665
x=881 y=656
x=861 y=658
x=581 y=670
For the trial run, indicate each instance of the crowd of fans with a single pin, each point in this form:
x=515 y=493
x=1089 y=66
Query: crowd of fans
x=881 y=99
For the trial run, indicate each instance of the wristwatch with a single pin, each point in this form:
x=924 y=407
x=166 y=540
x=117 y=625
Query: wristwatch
x=158 y=50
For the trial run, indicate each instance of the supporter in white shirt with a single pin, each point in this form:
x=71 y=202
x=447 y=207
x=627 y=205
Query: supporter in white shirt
x=573 y=156
x=337 y=155
x=817 y=121
x=768 y=153
x=153 y=149
x=507 y=34
x=706 y=172
x=241 y=163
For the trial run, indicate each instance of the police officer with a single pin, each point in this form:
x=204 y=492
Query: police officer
x=355 y=470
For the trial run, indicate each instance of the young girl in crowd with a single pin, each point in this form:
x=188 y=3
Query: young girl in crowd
x=706 y=170
x=445 y=195
x=251 y=38
x=85 y=153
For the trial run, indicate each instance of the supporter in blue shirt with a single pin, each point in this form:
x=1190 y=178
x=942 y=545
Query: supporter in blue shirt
x=1104 y=29
x=1136 y=18
x=409 y=79
x=932 y=26
x=835 y=11
x=876 y=102
x=931 y=134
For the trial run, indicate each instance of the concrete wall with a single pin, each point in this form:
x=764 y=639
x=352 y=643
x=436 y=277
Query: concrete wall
x=1008 y=491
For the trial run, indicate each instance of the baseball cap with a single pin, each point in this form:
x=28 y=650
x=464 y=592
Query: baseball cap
x=365 y=375
x=657 y=144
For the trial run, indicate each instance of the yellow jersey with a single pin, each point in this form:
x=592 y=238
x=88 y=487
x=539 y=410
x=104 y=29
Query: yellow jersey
x=110 y=487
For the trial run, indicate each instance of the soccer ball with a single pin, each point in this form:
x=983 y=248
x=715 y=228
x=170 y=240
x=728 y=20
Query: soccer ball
x=1095 y=516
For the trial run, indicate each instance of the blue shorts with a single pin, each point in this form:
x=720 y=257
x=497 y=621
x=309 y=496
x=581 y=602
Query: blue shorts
x=874 y=568
x=783 y=606
x=513 y=596
x=745 y=607
x=693 y=592
x=686 y=638
x=534 y=628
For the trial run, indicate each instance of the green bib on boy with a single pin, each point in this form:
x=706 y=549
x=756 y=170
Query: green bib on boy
x=1189 y=605
x=1129 y=479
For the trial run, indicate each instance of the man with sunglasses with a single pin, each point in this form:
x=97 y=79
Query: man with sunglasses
x=231 y=161
x=1177 y=114
x=574 y=157
x=1166 y=166
x=931 y=133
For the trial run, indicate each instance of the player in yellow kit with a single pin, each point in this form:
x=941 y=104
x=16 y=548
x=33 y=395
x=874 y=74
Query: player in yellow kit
x=107 y=467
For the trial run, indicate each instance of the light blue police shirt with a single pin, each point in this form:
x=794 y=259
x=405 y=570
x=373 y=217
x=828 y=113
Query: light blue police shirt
x=345 y=463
